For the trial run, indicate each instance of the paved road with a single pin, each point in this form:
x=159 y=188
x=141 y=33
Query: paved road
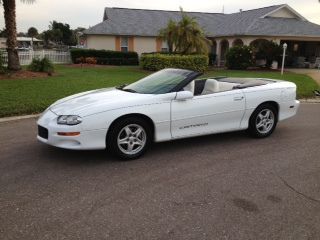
x=225 y=186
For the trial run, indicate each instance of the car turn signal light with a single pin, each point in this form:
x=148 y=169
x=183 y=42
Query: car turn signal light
x=68 y=133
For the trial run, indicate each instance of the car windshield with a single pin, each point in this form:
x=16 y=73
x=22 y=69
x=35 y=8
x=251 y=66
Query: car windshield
x=160 y=82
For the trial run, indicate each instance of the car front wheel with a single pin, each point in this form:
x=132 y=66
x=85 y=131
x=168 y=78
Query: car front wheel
x=129 y=138
x=263 y=121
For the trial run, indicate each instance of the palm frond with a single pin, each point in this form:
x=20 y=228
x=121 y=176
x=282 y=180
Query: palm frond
x=186 y=35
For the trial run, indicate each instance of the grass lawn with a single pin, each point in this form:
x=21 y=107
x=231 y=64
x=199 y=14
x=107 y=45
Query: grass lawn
x=27 y=96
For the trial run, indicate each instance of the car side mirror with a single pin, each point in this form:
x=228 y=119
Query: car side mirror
x=184 y=95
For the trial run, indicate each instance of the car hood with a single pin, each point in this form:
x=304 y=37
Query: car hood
x=92 y=102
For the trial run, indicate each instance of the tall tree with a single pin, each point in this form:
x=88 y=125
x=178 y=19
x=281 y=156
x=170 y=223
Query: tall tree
x=191 y=37
x=169 y=34
x=3 y=33
x=32 y=32
x=9 y=7
x=186 y=35
x=22 y=34
x=63 y=30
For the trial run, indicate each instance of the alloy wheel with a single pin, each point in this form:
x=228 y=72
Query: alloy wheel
x=132 y=139
x=265 y=121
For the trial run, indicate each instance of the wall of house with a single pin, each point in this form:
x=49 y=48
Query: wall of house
x=101 y=42
x=283 y=13
x=221 y=48
x=145 y=44
x=245 y=39
x=137 y=44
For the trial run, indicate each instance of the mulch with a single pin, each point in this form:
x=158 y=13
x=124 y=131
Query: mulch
x=23 y=74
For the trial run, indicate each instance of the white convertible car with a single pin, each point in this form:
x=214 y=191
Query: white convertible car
x=166 y=105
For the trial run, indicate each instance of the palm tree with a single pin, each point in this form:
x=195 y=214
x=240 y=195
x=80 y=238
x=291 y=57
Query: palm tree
x=186 y=35
x=11 y=27
x=191 y=37
x=32 y=32
x=169 y=34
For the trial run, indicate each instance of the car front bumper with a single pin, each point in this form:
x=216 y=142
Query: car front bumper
x=48 y=132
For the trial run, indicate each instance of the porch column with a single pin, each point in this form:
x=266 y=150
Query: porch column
x=218 y=52
x=246 y=42
x=230 y=41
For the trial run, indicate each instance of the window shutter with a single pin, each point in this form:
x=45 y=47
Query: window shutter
x=117 y=43
x=131 y=44
x=159 y=45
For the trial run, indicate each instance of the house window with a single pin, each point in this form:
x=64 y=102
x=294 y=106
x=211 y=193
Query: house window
x=124 y=44
x=164 y=47
x=295 y=47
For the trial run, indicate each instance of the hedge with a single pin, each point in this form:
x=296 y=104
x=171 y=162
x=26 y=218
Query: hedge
x=212 y=56
x=105 y=57
x=157 y=61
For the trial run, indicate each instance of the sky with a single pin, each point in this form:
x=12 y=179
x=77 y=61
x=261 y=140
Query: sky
x=84 y=13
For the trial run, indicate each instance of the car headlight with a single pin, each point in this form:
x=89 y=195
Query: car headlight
x=69 y=120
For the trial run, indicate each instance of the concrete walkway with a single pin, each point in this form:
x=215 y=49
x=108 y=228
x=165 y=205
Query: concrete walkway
x=314 y=73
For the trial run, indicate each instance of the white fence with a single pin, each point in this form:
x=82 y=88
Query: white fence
x=26 y=57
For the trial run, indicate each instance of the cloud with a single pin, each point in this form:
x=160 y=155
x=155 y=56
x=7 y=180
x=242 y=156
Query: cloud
x=88 y=13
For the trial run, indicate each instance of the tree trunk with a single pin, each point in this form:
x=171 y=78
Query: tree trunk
x=10 y=22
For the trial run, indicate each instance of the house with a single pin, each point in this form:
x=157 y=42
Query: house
x=126 y=29
x=22 y=42
x=3 y=43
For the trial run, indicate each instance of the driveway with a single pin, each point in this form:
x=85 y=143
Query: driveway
x=314 y=73
x=225 y=186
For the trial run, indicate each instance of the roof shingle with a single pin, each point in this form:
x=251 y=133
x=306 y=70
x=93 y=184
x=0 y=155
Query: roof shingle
x=140 y=22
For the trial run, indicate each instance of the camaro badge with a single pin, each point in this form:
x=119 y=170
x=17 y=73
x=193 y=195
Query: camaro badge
x=194 y=125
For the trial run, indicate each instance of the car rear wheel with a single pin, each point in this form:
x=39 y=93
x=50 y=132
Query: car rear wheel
x=129 y=138
x=263 y=121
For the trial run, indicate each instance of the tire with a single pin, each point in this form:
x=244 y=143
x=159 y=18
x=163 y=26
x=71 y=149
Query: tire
x=129 y=138
x=263 y=121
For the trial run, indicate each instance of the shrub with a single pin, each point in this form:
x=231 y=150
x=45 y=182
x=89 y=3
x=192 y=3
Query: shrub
x=118 y=61
x=269 y=51
x=80 y=60
x=41 y=65
x=239 y=57
x=91 y=60
x=105 y=57
x=212 y=58
x=155 y=62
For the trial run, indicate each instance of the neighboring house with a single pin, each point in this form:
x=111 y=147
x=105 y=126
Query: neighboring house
x=22 y=42
x=125 y=29
x=3 y=42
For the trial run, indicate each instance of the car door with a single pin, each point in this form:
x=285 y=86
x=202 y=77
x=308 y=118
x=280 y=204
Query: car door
x=205 y=114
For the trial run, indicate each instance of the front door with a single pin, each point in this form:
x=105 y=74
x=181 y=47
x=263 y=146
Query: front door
x=205 y=114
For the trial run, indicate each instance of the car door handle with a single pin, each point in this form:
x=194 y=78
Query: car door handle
x=238 y=98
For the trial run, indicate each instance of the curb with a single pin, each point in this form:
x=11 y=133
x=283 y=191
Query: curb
x=311 y=100
x=9 y=119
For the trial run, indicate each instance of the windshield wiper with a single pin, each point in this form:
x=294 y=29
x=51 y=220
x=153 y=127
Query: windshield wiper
x=128 y=90
x=121 y=86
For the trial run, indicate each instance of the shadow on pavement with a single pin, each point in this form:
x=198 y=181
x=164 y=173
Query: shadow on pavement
x=156 y=150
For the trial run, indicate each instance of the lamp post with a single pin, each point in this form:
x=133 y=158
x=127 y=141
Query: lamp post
x=283 y=56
